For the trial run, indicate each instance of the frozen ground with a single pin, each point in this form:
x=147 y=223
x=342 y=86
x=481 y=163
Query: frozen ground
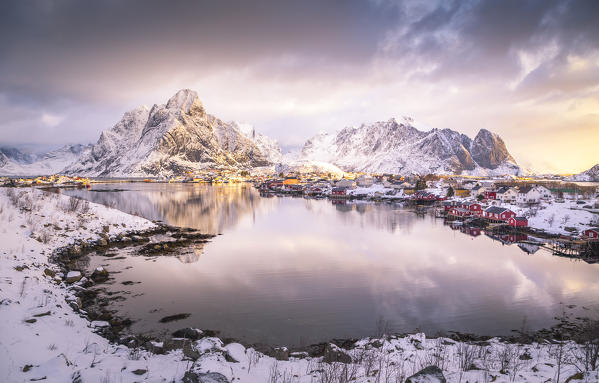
x=42 y=338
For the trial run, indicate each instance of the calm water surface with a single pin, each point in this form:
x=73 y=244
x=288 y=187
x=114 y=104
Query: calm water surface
x=296 y=271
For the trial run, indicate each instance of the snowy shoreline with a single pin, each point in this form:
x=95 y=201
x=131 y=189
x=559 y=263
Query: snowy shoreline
x=43 y=338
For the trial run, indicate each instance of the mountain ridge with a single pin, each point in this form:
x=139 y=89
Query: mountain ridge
x=14 y=162
x=398 y=147
x=180 y=137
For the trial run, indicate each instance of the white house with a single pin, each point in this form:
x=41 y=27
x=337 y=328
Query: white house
x=345 y=183
x=543 y=191
x=532 y=194
x=528 y=194
x=507 y=195
x=364 y=181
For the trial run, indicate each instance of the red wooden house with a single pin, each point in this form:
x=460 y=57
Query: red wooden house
x=459 y=212
x=490 y=195
x=591 y=233
x=474 y=208
x=499 y=214
x=517 y=221
x=339 y=192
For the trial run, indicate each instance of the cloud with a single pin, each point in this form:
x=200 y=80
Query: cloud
x=51 y=120
x=295 y=68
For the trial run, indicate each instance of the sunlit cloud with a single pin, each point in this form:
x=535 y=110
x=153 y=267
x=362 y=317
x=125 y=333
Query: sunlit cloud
x=526 y=70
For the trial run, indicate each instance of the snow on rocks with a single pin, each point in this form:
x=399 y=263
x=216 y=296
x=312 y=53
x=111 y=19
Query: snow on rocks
x=73 y=276
x=430 y=374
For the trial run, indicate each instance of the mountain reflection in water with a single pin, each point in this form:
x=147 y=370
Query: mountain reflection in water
x=293 y=270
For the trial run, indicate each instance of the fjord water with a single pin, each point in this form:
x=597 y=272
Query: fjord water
x=295 y=271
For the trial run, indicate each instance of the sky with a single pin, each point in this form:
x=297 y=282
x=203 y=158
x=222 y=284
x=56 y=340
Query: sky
x=527 y=70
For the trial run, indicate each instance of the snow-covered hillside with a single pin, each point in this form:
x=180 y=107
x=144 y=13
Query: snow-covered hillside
x=16 y=163
x=171 y=139
x=589 y=175
x=43 y=338
x=398 y=147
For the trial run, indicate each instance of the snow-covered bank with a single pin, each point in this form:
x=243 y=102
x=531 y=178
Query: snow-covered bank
x=556 y=217
x=61 y=346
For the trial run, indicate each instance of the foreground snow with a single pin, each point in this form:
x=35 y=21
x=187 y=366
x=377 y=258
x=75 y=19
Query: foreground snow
x=42 y=338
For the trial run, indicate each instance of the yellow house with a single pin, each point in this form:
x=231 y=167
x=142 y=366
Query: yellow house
x=291 y=181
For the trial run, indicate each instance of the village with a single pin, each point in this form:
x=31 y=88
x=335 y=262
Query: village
x=531 y=212
x=565 y=217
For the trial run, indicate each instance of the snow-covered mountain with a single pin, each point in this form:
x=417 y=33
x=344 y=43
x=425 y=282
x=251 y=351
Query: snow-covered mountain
x=398 y=147
x=14 y=162
x=180 y=137
x=589 y=175
x=268 y=146
x=173 y=139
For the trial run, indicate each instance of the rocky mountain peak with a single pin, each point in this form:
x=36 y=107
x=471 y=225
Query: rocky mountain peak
x=187 y=101
x=174 y=139
x=489 y=150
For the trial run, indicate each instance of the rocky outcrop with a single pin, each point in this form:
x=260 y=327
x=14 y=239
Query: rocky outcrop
x=430 y=374
x=489 y=151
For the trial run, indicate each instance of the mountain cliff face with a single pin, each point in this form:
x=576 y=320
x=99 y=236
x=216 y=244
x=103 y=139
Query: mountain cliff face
x=589 y=175
x=269 y=147
x=169 y=139
x=13 y=162
x=398 y=147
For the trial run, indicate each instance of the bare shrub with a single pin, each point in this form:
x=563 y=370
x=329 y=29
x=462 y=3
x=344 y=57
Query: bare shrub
x=558 y=352
x=73 y=204
x=24 y=201
x=466 y=354
x=337 y=372
x=44 y=236
x=585 y=357
x=510 y=360
x=11 y=193
x=437 y=355
x=280 y=376
x=135 y=353
x=368 y=360
x=84 y=208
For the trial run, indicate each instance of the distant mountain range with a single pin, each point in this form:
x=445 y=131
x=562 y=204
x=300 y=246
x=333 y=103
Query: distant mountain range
x=16 y=162
x=180 y=137
x=400 y=148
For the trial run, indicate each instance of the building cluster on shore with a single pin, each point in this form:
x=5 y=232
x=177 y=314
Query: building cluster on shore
x=544 y=206
x=519 y=204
